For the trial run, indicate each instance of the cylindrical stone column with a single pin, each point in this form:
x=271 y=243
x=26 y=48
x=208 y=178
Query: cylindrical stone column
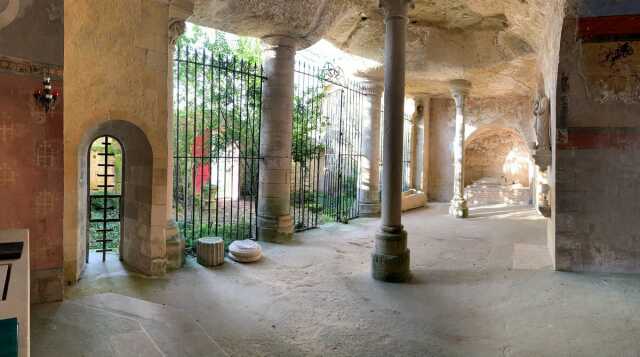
x=459 y=91
x=416 y=153
x=274 y=219
x=176 y=29
x=369 y=194
x=422 y=107
x=390 y=261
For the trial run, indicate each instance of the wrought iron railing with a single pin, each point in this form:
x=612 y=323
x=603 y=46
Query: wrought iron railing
x=406 y=150
x=217 y=112
x=326 y=150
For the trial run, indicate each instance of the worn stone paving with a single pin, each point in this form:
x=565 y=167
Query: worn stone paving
x=481 y=287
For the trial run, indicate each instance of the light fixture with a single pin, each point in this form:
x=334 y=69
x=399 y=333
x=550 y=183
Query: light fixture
x=46 y=96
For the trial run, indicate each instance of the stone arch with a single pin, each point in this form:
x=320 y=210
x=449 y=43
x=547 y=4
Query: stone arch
x=9 y=13
x=137 y=192
x=497 y=152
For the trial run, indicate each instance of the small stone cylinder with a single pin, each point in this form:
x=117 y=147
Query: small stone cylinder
x=210 y=251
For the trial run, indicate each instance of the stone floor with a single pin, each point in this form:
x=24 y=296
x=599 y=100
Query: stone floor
x=481 y=287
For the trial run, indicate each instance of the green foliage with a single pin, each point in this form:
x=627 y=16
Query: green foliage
x=308 y=125
x=97 y=212
x=228 y=232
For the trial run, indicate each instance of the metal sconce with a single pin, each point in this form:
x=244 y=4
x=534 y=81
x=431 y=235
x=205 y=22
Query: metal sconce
x=46 y=96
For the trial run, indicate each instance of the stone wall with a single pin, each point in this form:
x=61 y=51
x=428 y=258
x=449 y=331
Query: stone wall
x=116 y=58
x=598 y=141
x=31 y=143
x=482 y=114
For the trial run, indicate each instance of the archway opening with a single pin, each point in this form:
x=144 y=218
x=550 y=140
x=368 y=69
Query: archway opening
x=106 y=174
x=141 y=245
x=497 y=168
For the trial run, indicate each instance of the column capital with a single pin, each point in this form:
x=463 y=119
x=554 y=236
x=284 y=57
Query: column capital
x=179 y=12
x=420 y=99
x=459 y=90
x=373 y=87
x=176 y=29
x=396 y=8
x=275 y=40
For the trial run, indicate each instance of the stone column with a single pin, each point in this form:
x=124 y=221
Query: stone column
x=390 y=261
x=420 y=145
x=176 y=28
x=425 y=109
x=274 y=220
x=415 y=154
x=542 y=154
x=174 y=241
x=369 y=195
x=459 y=91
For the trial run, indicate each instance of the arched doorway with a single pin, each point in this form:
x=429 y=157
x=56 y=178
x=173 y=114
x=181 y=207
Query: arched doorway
x=497 y=168
x=106 y=176
x=139 y=240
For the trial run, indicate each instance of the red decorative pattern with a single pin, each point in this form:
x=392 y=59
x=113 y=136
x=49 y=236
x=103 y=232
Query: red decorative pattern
x=31 y=168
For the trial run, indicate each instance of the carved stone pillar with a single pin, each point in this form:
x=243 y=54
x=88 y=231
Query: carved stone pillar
x=274 y=220
x=176 y=29
x=369 y=194
x=459 y=91
x=179 y=12
x=420 y=144
x=390 y=260
x=542 y=154
x=424 y=105
x=414 y=166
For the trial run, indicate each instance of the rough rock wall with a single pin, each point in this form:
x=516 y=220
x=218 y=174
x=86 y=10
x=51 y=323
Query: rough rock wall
x=598 y=140
x=482 y=115
x=501 y=154
x=31 y=170
x=116 y=59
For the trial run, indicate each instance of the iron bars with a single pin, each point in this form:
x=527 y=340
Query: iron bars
x=326 y=151
x=105 y=196
x=217 y=113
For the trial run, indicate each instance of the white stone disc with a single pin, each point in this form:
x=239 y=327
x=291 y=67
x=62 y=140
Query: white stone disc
x=245 y=260
x=245 y=249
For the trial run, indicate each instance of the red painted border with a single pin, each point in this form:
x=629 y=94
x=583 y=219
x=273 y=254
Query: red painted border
x=610 y=28
x=589 y=138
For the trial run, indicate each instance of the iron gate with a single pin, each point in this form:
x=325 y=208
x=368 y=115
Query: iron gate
x=105 y=196
x=406 y=151
x=326 y=150
x=217 y=111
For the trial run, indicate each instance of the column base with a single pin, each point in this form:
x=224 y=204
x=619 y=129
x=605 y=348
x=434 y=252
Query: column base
x=545 y=211
x=275 y=229
x=369 y=209
x=459 y=208
x=390 y=261
x=175 y=245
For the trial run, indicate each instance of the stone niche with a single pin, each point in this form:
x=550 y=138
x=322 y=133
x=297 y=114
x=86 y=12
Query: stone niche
x=497 y=168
